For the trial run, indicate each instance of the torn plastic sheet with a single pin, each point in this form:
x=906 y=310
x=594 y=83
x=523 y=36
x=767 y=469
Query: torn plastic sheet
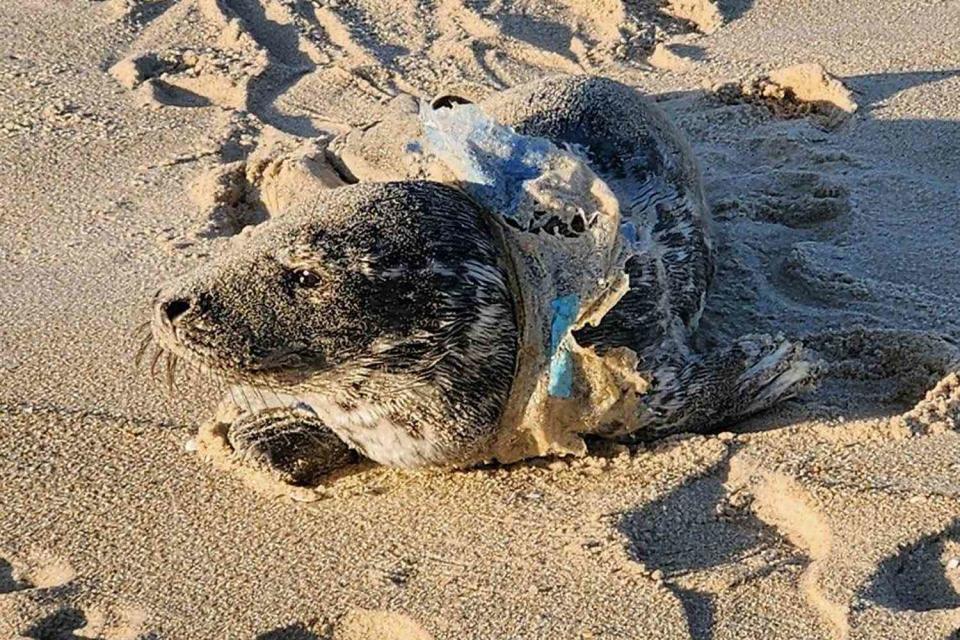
x=561 y=225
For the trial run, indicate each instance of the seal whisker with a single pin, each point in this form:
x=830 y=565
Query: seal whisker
x=170 y=366
x=155 y=361
x=246 y=400
x=260 y=394
x=145 y=343
x=233 y=396
x=276 y=394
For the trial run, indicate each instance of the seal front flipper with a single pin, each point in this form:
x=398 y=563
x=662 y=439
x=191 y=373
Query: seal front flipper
x=290 y=445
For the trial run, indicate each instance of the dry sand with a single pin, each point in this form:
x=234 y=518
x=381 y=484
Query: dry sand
x=837 y=516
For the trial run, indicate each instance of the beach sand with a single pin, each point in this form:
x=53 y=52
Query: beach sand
x=129 y=131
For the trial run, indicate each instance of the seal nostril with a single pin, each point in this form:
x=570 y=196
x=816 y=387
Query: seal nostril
x=175 y=308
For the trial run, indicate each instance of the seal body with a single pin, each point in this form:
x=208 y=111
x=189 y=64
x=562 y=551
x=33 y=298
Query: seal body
x=394 y=313
x=629 y=143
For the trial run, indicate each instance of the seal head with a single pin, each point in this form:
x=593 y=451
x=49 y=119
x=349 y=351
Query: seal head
x=384 y=307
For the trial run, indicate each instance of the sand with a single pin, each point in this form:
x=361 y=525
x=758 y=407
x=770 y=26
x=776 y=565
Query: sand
x=133 y=139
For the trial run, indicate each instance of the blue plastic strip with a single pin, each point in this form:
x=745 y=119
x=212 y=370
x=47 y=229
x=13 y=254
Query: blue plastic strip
x=495 y=161
x=565 y=310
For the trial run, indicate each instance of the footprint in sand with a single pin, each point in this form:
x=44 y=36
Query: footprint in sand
x=917 y=589
x=298 y=65
x=63 y=623
x=38 y=601
x=779 y=193
x=728 y=535
x=740 y=543
x=783 y=192
x=8 y=581
x=924 y=576
x=296 y=631
x=814 y=271
x=781 y=503
x=39 y=571
x=789 y=174
x=185 y=78
x=793 y=198
x=892 y=367
x=254 y=44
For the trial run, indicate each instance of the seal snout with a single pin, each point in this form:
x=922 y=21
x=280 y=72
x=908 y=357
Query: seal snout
x=173 y=313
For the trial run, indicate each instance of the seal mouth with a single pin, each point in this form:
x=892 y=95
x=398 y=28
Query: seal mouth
x=178 y=341
x=287 y=367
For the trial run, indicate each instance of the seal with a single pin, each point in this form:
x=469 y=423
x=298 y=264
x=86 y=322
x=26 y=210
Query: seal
x=394 y=317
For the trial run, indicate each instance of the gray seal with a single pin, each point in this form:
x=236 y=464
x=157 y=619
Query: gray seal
x=379 y=317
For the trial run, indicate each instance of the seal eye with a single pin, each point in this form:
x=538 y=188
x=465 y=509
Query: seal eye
x=447 y=102
x=306 y=278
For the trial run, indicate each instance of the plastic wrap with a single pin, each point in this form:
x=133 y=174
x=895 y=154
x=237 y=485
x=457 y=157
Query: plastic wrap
x=561 y=225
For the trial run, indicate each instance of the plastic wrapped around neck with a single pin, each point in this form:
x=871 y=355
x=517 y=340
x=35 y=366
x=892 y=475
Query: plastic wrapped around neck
x=560 y=224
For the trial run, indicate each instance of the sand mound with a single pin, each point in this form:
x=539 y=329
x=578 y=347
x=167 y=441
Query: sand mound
x=940 y=408
x=281 y=168
x=800 y=91
x=378 y=625
x=705 y=14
